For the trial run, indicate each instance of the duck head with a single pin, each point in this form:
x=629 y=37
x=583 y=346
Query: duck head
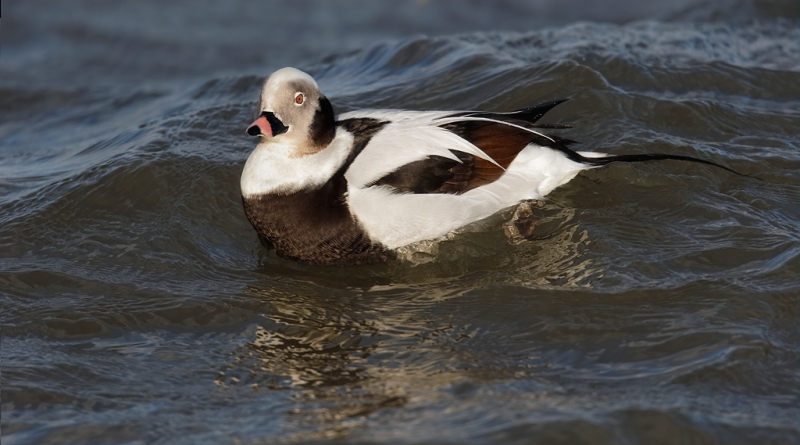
x=294 y=111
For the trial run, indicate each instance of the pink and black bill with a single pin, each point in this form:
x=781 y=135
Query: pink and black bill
x=266 y=125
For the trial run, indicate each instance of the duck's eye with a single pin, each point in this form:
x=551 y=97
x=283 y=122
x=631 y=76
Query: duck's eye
x=299 y=98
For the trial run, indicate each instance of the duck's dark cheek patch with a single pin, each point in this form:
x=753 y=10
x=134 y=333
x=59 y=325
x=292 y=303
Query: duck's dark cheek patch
x=323 y=127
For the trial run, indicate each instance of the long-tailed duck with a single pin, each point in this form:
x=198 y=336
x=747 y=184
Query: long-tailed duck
x=352 y=190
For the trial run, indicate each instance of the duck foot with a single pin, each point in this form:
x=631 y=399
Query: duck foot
x=520 y=227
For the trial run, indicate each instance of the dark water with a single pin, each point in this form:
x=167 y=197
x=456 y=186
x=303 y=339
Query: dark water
x=661 y=303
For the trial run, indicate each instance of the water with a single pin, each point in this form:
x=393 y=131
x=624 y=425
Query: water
x=660 y=303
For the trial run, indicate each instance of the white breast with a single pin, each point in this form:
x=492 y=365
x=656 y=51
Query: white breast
x=271 y=167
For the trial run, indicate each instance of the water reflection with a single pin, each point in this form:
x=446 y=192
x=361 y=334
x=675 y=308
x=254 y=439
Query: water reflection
x=341 y=355
x=557 y=251
x=301 y=344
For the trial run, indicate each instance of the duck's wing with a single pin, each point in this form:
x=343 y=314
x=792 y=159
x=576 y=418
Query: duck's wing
x=447 y=152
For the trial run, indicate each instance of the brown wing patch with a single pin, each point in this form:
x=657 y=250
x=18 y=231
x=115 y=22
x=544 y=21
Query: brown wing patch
x=500 y=142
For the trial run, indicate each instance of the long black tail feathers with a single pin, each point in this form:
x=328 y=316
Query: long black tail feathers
x=655 y=157
x=532 y=114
